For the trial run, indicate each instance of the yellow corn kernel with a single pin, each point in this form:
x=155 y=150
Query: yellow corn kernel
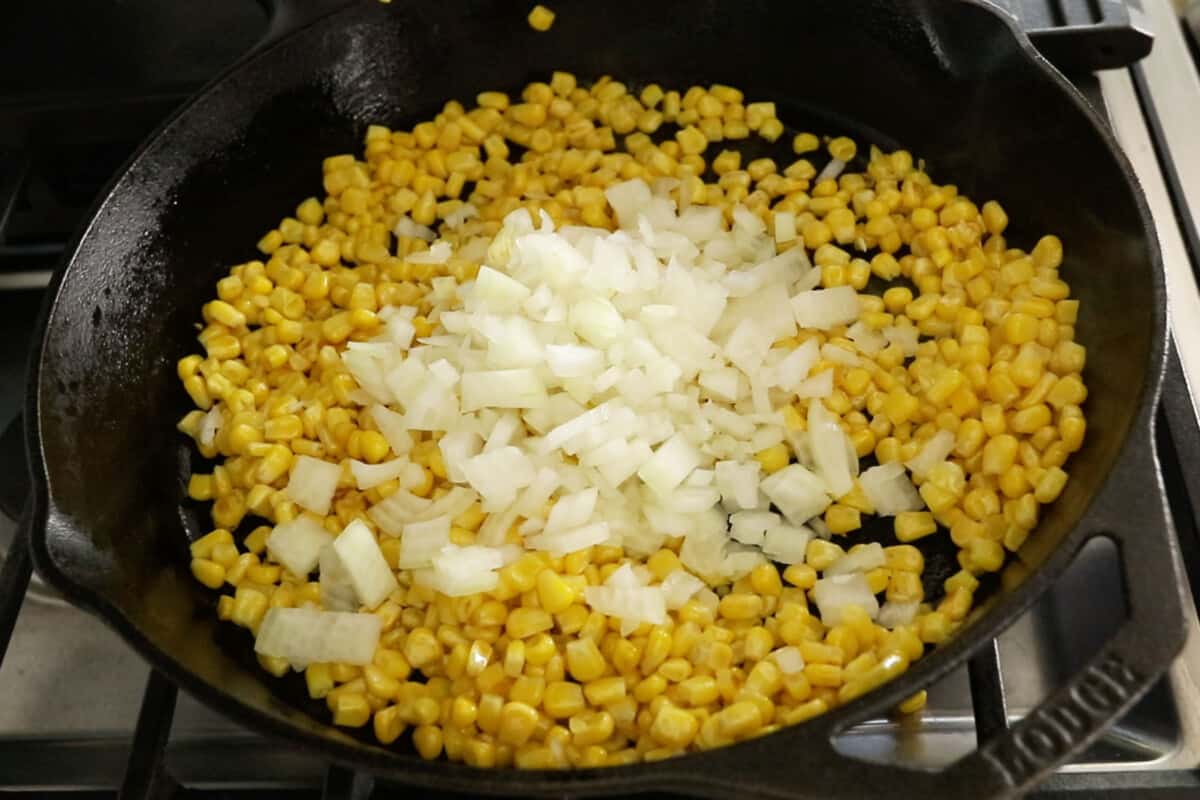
x=517 y=723
x=674 y=727
x=562 y=699
x=209 y=573
x=428 y=740
x=842 y=519
x=1050 y=485
x=913 y=525
x=553 y=592
x=529 y=689
x=741 y=606
x=525 y=622
x=584 y=660
x=739 y=719
x=802 y=576
x=351 y=710
x=773 y=458
x=421 y=647
x=591 y=728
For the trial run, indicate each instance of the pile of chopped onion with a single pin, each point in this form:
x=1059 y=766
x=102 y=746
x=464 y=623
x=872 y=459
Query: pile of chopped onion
x=625 y=381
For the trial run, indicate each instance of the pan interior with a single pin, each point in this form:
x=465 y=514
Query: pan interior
x=946 y=81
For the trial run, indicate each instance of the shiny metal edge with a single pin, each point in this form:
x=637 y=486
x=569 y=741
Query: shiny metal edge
x=1183 y=293
x=31 y=279
x=1173 y=84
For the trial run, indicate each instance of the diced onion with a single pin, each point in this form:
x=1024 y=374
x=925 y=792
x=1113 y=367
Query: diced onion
x=827 y=441
x=678 y=587
x=797 y=492
x=865 y=557
x=834 y=595
x=889 y=490
x=670 y=464
x=313 y=483
x=826 y=308
x=787 y=544
x=297 y=543
x=893 y=614
x=306 y=636
x=460 y=571
x=750 y=527
x=363 y=561
x=421 y=541
x=788 y=659
x=940 y=445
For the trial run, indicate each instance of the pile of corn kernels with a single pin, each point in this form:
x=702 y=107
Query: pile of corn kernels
x=526 y=674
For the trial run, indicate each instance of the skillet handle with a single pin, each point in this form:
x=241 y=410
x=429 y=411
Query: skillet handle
x=1130 y=510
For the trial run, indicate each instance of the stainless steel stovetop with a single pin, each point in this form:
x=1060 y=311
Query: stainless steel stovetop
x=70 y=690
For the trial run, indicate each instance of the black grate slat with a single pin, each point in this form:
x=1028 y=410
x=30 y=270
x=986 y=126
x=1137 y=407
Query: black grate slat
x=146 y=776
x=342 y=783
x=987 y=693
x=14 y=580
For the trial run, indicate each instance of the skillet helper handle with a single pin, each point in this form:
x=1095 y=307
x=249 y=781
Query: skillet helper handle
x=1131 y=510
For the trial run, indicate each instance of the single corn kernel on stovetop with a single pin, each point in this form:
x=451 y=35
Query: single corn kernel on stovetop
x=965 y=383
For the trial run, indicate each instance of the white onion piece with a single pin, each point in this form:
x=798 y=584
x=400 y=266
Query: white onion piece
x=797 y=492
x=827 y=442
x=368 y=476
x=539 y=491
x=391 y=426
x=794 y=368
x=934 y=452
x=306 y=636
x=906 y=337
x=210 y=426
x=788 y=659
x=785 y=227
x=363 y=561
x=337 y=587
x=297 y=543
x=830 y=171
x=834 y=595
x=421 y=541
x=506 y=388
x=889 y=490
x=460 y=571
x=839 y=355
x=893 y=614
x=816 y=387
x=405 y=226
x=670 y=464
x=864 y=558
x=313 y=483
x=439 y=253
x=573 y=360
x=678 y=587
x=500 y=474
x=826 y=308
x=400 y=508
x=750 y=527
x=571 y=511
x=457 y=447
x=787 y=544
x=570 y=541
x=450 y=505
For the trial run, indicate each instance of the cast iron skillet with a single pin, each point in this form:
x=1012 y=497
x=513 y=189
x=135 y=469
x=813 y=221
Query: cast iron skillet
x=954 y=82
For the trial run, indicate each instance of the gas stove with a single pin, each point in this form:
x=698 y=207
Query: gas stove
x=80 y=712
